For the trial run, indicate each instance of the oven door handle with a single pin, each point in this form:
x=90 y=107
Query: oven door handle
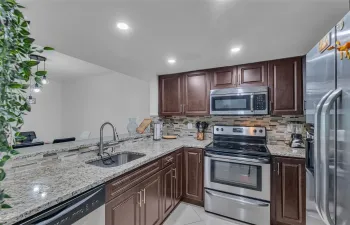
x=240 y=201
x=239 y=159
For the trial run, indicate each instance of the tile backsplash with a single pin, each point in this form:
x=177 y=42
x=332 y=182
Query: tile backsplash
x=276 y=126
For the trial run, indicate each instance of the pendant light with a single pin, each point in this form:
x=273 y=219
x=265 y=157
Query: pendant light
x=44 y=80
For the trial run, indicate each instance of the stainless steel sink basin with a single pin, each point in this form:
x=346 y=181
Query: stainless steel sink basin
x=116 y=160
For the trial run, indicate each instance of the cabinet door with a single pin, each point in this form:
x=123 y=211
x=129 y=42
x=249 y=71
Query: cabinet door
x=193 y=186
x=178 y=175
x=170 y=95
x=224 y=78
x=196 y=93
x=168 y=190
x=125 y=209
x=285 y=81
x=289 y=191
x=254 y=74
x=151 y=213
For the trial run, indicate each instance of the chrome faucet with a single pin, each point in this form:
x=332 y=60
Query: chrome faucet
x=115 y=135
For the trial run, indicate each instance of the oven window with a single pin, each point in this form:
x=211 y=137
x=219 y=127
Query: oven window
x=231 y=103
x=236 y=174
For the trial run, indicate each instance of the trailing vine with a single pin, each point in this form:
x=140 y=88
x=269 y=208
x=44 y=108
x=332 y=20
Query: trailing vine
x=15 y=75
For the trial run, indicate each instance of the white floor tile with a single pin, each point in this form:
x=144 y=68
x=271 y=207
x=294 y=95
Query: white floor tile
x=183 y=214
x=187 y=214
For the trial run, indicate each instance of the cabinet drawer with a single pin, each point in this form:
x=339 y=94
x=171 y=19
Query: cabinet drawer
x=168 y=160
x=124 y=183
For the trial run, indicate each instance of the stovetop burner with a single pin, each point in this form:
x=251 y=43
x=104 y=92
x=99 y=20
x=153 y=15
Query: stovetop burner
x=239 y=140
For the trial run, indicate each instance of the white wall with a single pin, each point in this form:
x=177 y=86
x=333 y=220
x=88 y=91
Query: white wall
x=45 y=117
x=153 y=86
x=90 y=101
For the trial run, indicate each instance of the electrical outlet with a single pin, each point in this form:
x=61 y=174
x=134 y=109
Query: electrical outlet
x=189 y=126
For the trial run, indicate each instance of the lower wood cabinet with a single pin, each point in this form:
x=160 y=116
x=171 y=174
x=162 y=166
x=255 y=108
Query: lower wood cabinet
x=125 y=209
x=193 y=175
x=168 y=191
x=152 y=199
x=288 y=194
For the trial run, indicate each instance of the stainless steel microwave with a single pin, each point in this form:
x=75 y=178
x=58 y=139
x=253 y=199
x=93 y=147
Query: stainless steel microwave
x=239 y=101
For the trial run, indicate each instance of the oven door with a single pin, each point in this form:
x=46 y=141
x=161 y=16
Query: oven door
x=238 y=175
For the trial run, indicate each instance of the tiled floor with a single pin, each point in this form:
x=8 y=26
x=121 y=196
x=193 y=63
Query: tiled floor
x=187 y=214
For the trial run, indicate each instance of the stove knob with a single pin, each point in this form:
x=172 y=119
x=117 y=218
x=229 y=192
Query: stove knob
x=217 y=129
x=260 y=131
x=222 y=129
x=254 y=131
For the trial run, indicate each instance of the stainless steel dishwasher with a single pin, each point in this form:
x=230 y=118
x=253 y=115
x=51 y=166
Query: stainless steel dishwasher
x=85 y=209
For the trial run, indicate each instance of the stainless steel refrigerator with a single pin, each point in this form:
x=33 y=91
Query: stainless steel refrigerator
x=327 y=109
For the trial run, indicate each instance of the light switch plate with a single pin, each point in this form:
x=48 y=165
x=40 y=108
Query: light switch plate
x=189 y=126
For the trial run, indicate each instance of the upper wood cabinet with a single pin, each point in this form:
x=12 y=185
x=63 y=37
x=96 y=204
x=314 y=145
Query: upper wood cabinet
x=196 y=93
x=285 y=82
x=185 y=94
x=170 y=95
x=288 y=194
x=224 y=78
x=193 y=180
x=253 y=74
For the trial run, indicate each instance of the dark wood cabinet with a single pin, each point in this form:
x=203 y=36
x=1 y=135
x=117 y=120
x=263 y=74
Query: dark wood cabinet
x=170 y=95
x=151 y=211
x=224 y=78
x=285 y=82
x=253 y=74
x=196 y=93
x=193 y=175
x=288 y=194
x=125 y=209
x=178 y=176
x=168 y=191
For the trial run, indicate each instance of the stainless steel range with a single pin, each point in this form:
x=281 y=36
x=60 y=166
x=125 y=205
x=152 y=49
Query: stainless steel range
x=237 y=174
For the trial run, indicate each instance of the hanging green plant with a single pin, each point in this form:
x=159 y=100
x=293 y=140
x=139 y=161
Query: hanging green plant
x=15 y=75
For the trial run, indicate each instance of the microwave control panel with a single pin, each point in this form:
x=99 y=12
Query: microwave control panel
x=260 y=102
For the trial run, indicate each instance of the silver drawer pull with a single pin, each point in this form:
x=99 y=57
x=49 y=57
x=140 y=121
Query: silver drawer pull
x=240 y=201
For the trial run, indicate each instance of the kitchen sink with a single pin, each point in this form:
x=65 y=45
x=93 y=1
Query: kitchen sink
x=116 y=160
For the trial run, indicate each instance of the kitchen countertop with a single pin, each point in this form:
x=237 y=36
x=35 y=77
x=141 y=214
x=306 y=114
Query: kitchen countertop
x=66 y=146
x=286 y=151
x=35 y=190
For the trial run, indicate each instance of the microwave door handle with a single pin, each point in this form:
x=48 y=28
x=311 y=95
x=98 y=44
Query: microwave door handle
x=316 y=151
x=252 y=102
x=324 y=154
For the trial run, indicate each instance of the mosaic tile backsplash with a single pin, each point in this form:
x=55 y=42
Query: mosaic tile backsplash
x=276 y=126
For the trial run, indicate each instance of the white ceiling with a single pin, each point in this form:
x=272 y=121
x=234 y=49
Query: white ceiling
x=63 y=67
x=199 y=33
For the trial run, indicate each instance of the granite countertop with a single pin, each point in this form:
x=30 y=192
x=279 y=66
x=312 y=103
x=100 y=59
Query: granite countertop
x=35 y=190
x=66 y=146
x=284 y=150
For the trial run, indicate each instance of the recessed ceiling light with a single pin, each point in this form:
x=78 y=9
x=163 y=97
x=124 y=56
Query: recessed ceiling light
x=171 y=61
x=234 y=50
x=123 y=26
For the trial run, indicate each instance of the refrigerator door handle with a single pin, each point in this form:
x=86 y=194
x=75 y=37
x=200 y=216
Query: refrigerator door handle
x=317 y=139
x=324 y=155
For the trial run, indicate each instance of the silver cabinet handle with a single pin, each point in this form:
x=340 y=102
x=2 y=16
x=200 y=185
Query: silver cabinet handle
x=140 y=198
x=317 y=139
x=144 y=196
x=199 y=157
x=239 y=200
x=252 y=103
x=324 y=155
x=278 y=168
x=175 y=173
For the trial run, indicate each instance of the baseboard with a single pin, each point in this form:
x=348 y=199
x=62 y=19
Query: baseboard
x=192 y=201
